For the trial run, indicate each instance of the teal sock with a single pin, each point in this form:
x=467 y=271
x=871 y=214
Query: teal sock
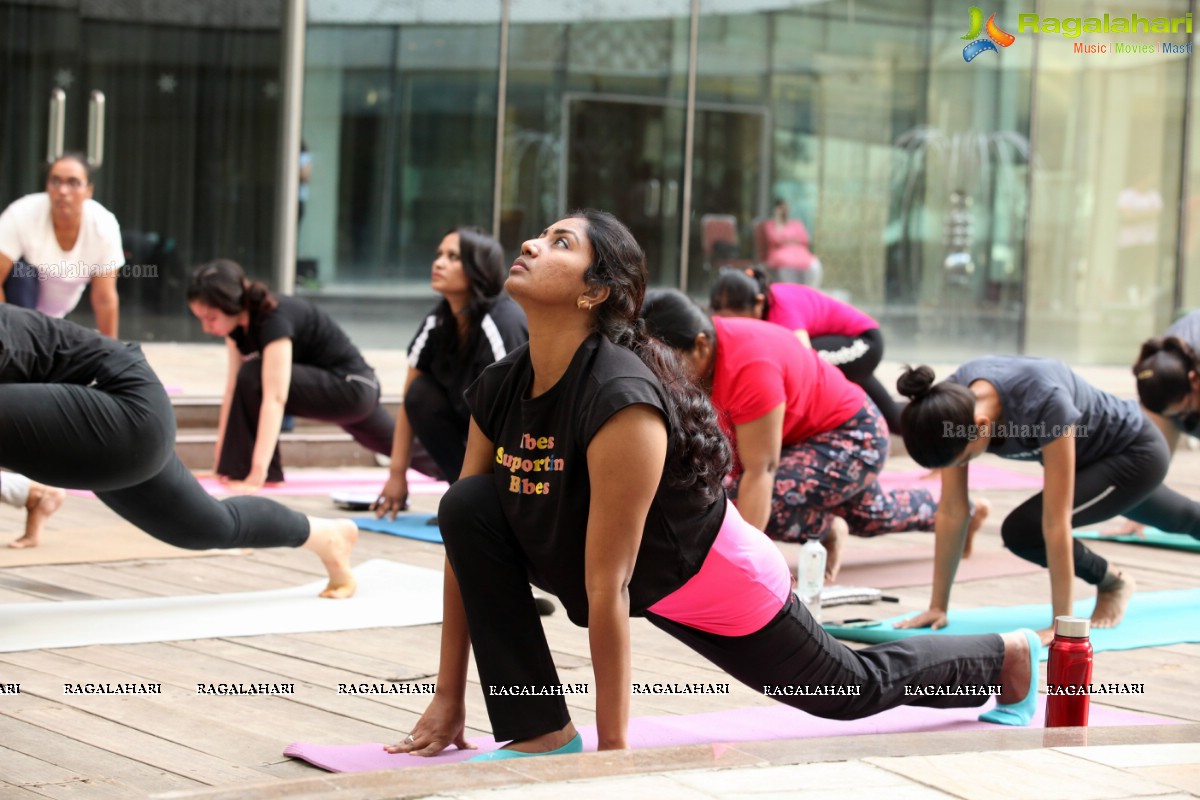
x=573 y=746
x=1020 y=713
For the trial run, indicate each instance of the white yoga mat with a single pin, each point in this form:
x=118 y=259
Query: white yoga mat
x=389 y=595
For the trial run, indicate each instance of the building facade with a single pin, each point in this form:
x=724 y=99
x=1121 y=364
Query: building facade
x=1040 y=197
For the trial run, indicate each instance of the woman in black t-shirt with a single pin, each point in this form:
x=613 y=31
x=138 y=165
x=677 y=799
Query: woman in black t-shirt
x=594 y=470
x=473 y=326
x=1100 y=455
x=286 y=356
x=82 y=411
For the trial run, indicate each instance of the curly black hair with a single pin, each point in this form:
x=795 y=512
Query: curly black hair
x=699 y=454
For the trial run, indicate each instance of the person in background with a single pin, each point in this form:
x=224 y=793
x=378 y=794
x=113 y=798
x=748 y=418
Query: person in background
x=70 y=239
x=472 y=325
x=1168 y=382
x=786 y=248
x=844 y=336
x=285 y=356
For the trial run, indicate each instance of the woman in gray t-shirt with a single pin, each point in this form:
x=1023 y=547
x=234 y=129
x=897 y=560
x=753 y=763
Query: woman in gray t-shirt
x=1101 y=457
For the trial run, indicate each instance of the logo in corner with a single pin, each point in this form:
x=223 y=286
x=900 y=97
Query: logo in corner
x=995 y=36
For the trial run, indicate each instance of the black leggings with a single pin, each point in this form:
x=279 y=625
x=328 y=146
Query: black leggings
x=1117 y=484
x=439 y=428
x=117 y=438
x=350 y=401
x=792 y=650
x=857 y=357
x=1166 y=509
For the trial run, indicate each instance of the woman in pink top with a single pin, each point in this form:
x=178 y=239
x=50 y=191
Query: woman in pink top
x=785 y=248
x=839 y=332
x=809 y=443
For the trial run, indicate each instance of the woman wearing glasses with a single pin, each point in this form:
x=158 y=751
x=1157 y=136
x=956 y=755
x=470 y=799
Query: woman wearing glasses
x=69 y=239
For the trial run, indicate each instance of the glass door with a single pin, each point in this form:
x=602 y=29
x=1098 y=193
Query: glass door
x=624 y=155
x=191 y=115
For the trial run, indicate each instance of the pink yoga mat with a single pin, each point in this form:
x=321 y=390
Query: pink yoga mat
x=322 y=482
x=982 y=476
x=737 y=725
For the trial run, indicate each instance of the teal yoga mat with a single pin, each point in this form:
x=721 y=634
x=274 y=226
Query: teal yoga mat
x=1154 y=538
x=1152 y=619
x=410 y=526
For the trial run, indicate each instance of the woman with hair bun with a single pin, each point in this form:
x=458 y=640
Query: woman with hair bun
x=594 y=470
x=473 y=325
x=1168 y=383
x=844 y=336
x=1101 y=457
x=286 y=356
x=1168 y=378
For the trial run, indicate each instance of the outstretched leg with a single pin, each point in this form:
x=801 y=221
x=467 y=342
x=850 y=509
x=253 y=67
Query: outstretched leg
x=796 y=661
x=173 y=508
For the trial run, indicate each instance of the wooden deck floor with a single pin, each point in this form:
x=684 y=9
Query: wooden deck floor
x=55 y=745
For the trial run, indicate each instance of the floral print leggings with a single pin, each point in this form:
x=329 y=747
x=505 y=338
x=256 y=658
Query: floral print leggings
x=835 y=473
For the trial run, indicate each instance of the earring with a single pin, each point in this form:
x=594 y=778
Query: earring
x=584 y=304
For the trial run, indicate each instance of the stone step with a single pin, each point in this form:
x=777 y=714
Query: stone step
x=205 y=412
x=318 y=446
x=311 y=444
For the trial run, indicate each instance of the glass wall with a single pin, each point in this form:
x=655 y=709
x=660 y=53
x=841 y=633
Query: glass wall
x=876 y=128
x=1023 y=201
x=1106 y=189
x=596 y=102
x=400 y=127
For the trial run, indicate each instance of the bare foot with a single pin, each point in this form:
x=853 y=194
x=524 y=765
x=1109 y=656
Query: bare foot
x=1112 y=596
x=41 y=504
x=333 y=540
x=1126 y=527
x=839 y=529
x=1015 y=676
x=982 y=509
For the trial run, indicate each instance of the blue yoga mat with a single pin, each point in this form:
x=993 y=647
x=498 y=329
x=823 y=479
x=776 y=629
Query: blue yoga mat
x=410 y=526
x=1152 y=619
x=1154 y=538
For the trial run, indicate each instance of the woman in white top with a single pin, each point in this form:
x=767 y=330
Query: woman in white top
x=70 y=239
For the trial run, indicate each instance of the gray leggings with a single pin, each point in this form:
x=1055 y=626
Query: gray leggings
x=117 y=438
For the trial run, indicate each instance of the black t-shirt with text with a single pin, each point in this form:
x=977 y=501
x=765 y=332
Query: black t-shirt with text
x=541 y=472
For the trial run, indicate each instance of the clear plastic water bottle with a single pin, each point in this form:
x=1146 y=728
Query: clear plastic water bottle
x=810 y=576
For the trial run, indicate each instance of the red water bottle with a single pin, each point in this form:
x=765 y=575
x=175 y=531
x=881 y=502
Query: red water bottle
x=1069 y=674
